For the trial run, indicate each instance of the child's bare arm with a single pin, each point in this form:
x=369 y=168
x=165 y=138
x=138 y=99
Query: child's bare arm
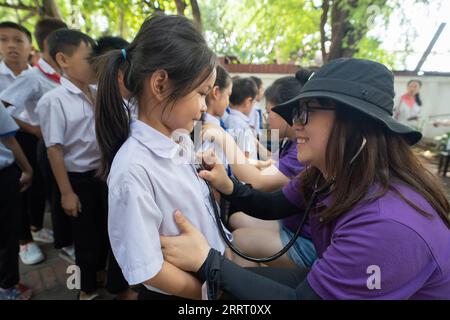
x=69 y=200
x=34 y=130
x=21 y=160
x=175 y=281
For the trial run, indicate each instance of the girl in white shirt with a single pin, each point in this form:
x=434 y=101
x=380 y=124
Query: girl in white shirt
x=147 y=161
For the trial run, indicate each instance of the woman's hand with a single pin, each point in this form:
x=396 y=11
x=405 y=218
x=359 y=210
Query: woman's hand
x=215 y=173
x=189 y=250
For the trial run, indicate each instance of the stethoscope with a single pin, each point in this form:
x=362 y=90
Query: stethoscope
x=317 y=191
x=303 y=221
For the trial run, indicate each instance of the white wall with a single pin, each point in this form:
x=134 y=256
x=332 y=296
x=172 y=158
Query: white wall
x=435 y=94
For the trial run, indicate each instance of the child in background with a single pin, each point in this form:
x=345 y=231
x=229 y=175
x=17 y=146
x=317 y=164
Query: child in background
x=23 y=94
x=12 y=182
x=256 y=119
x=238 y=122
x=67 y=117
x=15 y=48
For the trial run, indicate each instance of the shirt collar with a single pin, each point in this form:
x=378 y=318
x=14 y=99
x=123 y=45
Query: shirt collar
x=211 y=119
x=239 y=114
x=46 y=67
x=158 y=143
x=69 y=86
x=4 y=69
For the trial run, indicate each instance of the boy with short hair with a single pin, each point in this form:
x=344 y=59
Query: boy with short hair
x=237 y=122
x=15 y=48
x=69 y=135
x=23 y=94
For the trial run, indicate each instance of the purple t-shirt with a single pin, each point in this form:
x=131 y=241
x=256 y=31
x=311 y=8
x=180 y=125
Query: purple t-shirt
x=291 y=167
x=289 y=164
x=382 y=249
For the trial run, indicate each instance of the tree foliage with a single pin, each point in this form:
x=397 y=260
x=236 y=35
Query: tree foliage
x=306 y=32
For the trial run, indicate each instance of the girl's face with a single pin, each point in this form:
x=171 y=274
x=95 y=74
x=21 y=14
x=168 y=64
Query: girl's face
x=275 y=121
x=221 y=100
x=187 y=110
x=413 y=88
x=312 y=138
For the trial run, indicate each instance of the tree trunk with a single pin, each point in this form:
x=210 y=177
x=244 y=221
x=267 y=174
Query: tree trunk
x=196 y=14
x=323 y=36
x=343 y=35
x=51 y=9
x=181 y=6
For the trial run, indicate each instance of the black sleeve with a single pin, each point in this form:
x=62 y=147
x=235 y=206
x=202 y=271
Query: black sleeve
x=259 y=204
x=245 y=284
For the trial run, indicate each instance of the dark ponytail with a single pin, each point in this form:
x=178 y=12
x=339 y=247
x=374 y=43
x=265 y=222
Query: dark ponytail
x=286 y=88
x=164 y=42
x=112 y=120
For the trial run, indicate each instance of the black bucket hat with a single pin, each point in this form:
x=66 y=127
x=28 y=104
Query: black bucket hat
x=363 y=85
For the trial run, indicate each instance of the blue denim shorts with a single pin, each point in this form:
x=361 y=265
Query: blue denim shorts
x=302 y=252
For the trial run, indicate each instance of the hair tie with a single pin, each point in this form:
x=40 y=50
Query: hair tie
x=124 y=54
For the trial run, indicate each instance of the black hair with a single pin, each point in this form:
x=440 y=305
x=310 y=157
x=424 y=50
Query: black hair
x=243 y=88
x=108 y=43
x=13 y=25
x=164 y=42
x=286 y=88
x=45 y=27
x=257 y=81
x=418 y=99
x=223 y=78
x=67 y=41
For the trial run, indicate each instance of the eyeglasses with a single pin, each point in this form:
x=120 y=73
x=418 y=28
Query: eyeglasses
x=300 y=114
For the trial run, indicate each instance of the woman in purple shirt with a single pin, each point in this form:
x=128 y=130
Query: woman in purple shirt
x=380 y=223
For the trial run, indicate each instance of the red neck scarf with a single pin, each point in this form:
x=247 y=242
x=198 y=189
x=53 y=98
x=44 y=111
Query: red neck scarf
x=55 y=77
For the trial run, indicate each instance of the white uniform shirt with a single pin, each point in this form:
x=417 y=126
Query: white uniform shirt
x=255 y=117
x=67 y=118
x=25 y=92
x=6 y=76
x=404 y=112
x=147 y=183
x=208 y=145
x=8 y=128
x=238 y=126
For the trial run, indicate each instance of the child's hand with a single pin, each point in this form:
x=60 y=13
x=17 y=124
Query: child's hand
x=25 y=180
x=215 y=173
x=71 y=204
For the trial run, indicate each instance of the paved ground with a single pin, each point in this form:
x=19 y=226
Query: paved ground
x=48 y=279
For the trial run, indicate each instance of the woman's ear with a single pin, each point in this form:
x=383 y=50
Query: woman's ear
x=159 y=85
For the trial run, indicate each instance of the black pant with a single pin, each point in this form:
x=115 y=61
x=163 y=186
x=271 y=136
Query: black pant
x=116 y=281
x=90 y=227
x=62 y=226
x=33 y=199
x=145 y=294
x=9 y=226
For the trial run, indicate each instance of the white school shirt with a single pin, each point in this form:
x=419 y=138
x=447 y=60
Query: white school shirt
x=208 y=145
x=147 y=183
x=255 y=118
x=238 y=125
x=67 y=118
x=8 y=128
x=25 y=92
x=6 y=75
